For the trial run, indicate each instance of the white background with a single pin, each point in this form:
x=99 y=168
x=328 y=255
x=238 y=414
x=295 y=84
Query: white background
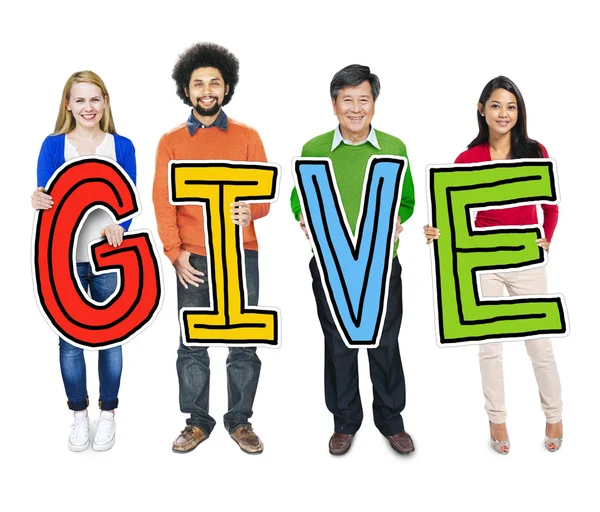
x=433 y=59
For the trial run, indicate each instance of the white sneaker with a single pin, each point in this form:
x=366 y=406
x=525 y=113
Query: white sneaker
x=105 y=432
x=79 y=439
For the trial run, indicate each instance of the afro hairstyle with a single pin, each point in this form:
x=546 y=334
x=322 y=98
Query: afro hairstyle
x=204 y=55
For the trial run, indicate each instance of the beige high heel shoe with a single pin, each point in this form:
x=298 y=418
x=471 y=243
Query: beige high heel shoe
x=553 y=444
x=501 y=447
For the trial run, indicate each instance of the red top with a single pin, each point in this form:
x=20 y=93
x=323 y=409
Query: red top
x=517 y=216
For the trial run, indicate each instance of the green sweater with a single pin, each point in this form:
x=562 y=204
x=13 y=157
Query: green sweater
x=349 y=167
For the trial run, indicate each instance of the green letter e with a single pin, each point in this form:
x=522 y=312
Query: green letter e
x=463 y=251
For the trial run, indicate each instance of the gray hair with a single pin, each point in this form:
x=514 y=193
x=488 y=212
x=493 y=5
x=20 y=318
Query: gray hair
x=354 y=75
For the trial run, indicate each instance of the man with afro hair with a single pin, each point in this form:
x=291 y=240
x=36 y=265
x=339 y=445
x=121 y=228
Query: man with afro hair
x=206 y=75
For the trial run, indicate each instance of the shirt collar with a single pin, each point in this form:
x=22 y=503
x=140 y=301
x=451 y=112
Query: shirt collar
x=193 y=124
x=338 y=139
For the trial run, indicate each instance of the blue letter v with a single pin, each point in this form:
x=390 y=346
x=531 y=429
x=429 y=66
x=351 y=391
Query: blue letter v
x=355 y=269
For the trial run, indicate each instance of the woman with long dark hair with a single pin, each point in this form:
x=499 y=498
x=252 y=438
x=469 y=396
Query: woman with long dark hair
x=85 y=126
x=502 y=121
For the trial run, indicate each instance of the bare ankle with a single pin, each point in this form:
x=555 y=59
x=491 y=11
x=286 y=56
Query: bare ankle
x=499 y=431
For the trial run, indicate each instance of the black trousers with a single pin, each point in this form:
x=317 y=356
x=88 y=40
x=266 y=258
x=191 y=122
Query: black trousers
x=342 y=395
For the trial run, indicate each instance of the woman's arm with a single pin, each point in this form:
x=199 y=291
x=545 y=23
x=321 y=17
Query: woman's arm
x=45 y=169
x=126 y=159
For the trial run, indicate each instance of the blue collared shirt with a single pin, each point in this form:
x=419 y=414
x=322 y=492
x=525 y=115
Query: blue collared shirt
x=193 y=124
x=338 y=139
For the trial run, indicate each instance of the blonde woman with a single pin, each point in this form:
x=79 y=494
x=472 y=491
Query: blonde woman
x=85 y=126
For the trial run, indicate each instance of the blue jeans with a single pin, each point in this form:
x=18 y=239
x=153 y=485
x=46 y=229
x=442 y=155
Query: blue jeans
x=193 y=363
x=110 y=362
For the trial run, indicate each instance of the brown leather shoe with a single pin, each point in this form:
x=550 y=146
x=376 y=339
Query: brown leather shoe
x=247 y=440
x=402 y=443
x=190 y=437
x=339 y=443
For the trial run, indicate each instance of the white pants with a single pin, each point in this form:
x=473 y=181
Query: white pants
x=526 y=282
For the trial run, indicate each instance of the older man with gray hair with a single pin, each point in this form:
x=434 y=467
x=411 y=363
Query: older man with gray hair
x=354 y=91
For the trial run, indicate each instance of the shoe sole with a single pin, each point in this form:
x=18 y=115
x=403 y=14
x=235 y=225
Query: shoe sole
x=552 y=450
x=404 y=453
x=258 y=452
x=339 y=453
x=103 y=447
x=79 y=448
x=251 y=453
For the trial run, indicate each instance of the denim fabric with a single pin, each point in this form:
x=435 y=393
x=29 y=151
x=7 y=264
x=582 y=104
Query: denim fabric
x=341 y=365
x=193 y=124
x=193 y=363
x=110 y=362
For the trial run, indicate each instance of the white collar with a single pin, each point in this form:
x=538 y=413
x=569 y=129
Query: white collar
x=338 y=139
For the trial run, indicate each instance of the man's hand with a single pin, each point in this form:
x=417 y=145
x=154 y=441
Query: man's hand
x=399 y=229
x=185 y=272
x=40 y=200
x=431 y=233
x=241 y=213
x=113 y=234
x=542 y=242
x=303 y=226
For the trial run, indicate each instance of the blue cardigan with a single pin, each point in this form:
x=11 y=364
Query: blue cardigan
x=52 y=156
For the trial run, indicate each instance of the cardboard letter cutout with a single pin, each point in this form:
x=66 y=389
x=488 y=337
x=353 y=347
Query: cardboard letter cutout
x=229 y=320
x=463 y=252
x=77 y=188
x=355 y=268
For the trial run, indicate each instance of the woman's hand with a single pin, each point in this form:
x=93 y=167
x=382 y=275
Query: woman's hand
x=542 y=242
x=431 y=233
x=40 y=200
x=113 y=234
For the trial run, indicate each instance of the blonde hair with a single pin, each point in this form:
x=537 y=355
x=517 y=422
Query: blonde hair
x=65 y=122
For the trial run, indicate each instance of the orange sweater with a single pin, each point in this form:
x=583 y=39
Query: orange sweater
x=182 y=227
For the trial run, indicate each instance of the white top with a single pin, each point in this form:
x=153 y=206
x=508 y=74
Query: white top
x=98 y=218
x=338 y=139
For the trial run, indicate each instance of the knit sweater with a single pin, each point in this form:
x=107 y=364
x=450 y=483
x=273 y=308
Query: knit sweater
x=52 y=156
x=517 y=216
x=349 y=167
x=182 y=227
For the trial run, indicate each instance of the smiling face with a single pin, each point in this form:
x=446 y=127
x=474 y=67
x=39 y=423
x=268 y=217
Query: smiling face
x=501 y=112
x=86 y=103
x=354 y=108
x=206 y=91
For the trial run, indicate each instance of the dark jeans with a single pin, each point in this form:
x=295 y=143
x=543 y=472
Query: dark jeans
x=341 y=365
x=193 y=363
x=110 y=361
